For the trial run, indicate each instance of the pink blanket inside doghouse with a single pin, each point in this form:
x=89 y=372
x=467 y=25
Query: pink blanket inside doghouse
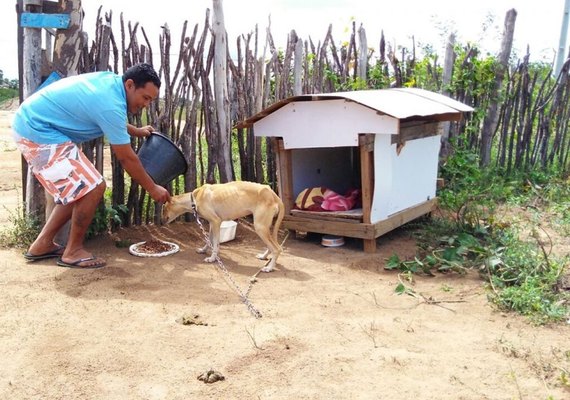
x=324 y=199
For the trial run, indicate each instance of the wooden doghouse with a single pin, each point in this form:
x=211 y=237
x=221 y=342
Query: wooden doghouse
x=384 y=142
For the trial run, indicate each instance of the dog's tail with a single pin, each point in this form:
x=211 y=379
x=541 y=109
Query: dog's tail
x=280 y=216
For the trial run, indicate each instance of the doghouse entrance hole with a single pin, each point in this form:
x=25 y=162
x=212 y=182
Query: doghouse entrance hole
x=337 y=169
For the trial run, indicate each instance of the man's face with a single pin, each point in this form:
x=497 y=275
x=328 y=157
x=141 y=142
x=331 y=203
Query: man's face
x=139 y=98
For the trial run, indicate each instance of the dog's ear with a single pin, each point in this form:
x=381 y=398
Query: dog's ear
x=173 y=200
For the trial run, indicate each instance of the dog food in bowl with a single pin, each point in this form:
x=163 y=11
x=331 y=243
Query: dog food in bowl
x=153 y=248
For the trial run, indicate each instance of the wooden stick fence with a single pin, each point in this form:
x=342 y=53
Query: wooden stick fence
x=533 y=106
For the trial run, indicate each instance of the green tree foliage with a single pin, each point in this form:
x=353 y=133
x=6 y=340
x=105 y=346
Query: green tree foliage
x=8 y=87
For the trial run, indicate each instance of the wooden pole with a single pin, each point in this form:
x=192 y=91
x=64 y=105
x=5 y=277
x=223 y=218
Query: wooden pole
x=69 y=43
x=560 y=55
x=492 y=118
x=446 y=80
x=32 y=67
x=102 y=65
x=221 y=92
x=32 y=56
x=67 y=61
x=19 y=10
x=298 y=68
x=362 y=55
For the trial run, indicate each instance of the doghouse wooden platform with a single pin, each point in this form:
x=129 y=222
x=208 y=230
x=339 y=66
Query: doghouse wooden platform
x=384 y=142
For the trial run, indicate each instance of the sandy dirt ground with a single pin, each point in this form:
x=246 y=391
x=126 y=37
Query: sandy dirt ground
x=332 y=326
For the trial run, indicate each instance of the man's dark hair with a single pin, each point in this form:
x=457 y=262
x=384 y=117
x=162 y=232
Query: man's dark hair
x=141 y=74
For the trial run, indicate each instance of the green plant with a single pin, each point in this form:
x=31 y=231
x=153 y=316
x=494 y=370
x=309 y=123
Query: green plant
x=445 y=247
x=507 y=251
x=524 y=280
x=446 y=288
x=378 y=77
x=106 y=219
x=426 y=73
x=564 y=378
x=8 y=93
x=23 y=231
x=535 y=298
x=401 y=288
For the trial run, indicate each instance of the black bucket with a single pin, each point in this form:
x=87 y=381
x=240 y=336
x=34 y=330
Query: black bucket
x=162 y=159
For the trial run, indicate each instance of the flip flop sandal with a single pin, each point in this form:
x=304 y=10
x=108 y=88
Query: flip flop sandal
x=50 y=254
x=76 y=264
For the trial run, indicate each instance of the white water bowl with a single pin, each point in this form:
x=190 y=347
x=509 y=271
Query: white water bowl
x=227 y=231
x=332 y=241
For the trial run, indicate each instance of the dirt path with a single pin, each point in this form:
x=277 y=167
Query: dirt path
x=332 y=326
x=11 y=167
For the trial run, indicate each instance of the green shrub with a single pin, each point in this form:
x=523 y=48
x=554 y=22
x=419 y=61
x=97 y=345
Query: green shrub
x=522 y=274
x=7 y=94
x=107 y=218
x=23 y=230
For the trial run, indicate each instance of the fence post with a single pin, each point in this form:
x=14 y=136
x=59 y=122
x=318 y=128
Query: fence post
x=221 y=92
x=561 y=53
x=32 y=67
x=446 y=80
x=492 y=118
x=66 y=59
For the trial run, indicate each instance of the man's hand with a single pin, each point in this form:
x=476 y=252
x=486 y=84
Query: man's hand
x=131 y=163
x=159 y=194
x=142 y=131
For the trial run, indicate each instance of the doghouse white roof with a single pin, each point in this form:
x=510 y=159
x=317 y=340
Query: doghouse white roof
x=400 y=103
x=337 y=119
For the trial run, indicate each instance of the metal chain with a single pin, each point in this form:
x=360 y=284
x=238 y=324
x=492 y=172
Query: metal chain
x=244 y=297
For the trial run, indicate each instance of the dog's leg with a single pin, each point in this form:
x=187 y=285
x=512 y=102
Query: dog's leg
x=202 y=250
x=273 y=261
x=275 y=249
x=263 y=256
x=262 y=225
x=214 y=240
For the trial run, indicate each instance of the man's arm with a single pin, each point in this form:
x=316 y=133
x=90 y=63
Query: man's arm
x=131 y=163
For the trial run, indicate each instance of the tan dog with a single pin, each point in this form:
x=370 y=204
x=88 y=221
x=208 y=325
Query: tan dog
x=229 y=201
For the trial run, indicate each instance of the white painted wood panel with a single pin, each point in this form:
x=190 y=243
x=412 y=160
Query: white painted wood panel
x=330 y=123
x=382 y=178
x=404 y=180
x=414 y=173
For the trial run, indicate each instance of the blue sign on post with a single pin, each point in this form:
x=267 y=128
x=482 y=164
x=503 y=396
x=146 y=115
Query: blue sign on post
x=39 y=20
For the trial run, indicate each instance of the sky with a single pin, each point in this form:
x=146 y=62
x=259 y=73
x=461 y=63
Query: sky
x=538 y=24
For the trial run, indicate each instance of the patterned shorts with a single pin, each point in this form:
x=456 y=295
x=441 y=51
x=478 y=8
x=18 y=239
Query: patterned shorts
x=62 y=169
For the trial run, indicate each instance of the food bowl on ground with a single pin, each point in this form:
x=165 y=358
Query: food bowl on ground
x=153 y=248
x=332 y=241
x=227 y=231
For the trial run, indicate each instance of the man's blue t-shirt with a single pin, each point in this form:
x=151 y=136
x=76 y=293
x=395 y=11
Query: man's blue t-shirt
x=78 y=108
